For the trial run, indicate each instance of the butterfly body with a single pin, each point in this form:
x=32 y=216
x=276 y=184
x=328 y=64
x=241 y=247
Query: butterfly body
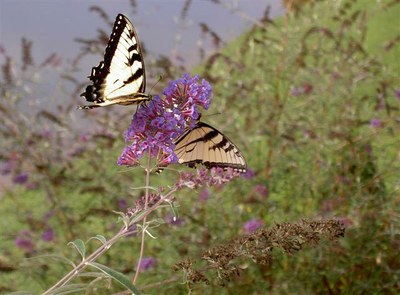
x=120 y=78
x=205 y=145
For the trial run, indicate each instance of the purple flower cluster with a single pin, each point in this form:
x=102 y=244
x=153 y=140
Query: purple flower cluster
x=156 y=125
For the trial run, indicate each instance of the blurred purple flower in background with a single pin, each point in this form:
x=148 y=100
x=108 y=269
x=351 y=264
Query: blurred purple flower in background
x=204 y=195
x=7 y=167
x=397 y=93
x=46 y=134
x=170 y=219
x=48 y=215
x=156 y=125
x=77 y=151
x=346 y=221
x=32 y=185
x=262 y=190
x=84 y=137
x=307 y=88
x=368 y=149
x=132 y=231
x=249 y=174
x=48 y=235
x=295 y=91
x=122 y=204
x=24 y=241
x=252 y=225
x=336 y=75
x=147 y=263
x=21 y=178
x=375 y=122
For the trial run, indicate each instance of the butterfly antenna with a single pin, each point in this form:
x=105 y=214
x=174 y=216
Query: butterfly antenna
x=159 y=79
x=213 y=114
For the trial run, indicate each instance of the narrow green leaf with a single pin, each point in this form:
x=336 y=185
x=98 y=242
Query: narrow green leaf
x=150 y=235
x=80 y=246
x=50 y=256
x=119 y=277
x=174 y=209
x=93 y=274
x=155 y=222
x=139 y=216
x=100 y=238
x=70 y=289
x=121 y=214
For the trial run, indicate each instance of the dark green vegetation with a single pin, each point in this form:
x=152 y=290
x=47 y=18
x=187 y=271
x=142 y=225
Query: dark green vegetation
x=311 y=100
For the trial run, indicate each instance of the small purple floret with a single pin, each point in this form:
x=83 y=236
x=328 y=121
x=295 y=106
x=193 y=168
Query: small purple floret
x=24 y=241
x=21 y=178
x=249 y=174
x=375 y=122
x=122 y=204
x=48 y=235
x=173 y=220
x=147 y=263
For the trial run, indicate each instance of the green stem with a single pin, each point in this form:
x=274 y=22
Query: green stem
x=148 y=169
x=86 y=261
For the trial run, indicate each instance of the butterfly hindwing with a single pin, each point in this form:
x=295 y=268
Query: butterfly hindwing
x=121 y=77
x=206 y=145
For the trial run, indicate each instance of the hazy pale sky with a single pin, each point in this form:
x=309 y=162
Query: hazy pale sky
x=53 y=24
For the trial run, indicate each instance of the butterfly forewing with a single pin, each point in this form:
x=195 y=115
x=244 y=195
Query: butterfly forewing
x=206 y=145
x=120 y=78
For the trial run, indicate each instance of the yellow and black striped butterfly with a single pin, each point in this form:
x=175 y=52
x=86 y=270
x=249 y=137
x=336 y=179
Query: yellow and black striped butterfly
x=121 y=77
x=206 y=145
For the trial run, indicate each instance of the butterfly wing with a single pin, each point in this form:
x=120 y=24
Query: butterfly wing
x=121 y=77
x=206 y=145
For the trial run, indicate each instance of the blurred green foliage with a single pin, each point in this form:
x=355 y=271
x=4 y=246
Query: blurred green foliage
x=311 y=101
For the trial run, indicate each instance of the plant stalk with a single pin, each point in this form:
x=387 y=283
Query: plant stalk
x=146 y=202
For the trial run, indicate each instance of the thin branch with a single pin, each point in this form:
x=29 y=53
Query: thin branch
x=146 y=202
